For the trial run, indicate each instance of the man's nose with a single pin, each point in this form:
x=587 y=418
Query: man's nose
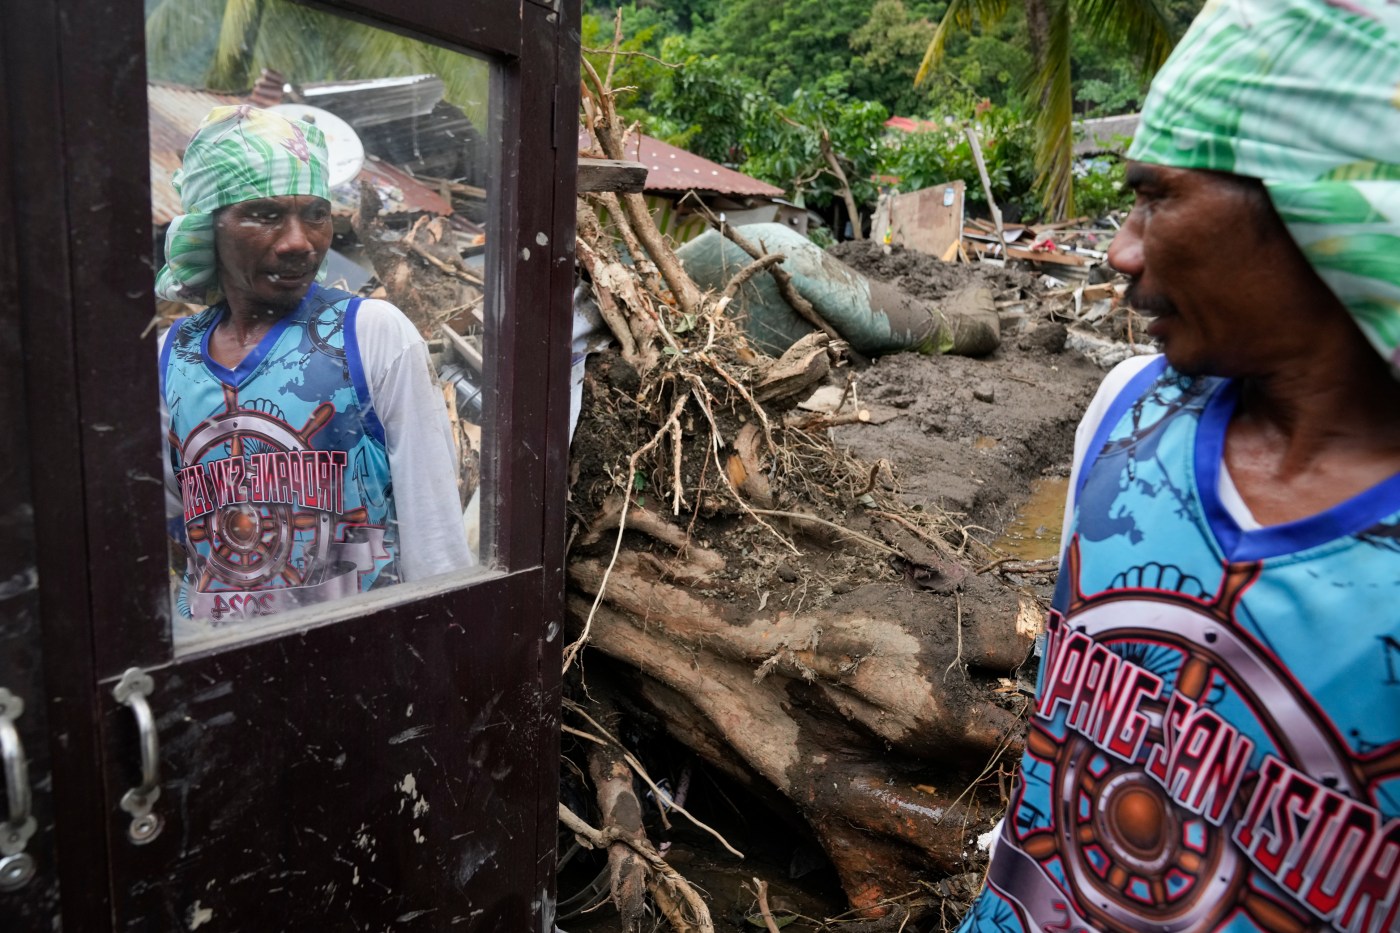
x=1125 y=252
x=293 y=239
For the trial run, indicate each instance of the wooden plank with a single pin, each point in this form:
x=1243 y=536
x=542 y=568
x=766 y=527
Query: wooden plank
x=929 y=220
x=493 y=29
x=1038 y=229
x=553 y=530
x=611 y=175
x=1034 y=255
x=1055 y=258
x=465 y=350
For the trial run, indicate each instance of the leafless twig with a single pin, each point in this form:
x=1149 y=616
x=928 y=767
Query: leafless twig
x=603 y=838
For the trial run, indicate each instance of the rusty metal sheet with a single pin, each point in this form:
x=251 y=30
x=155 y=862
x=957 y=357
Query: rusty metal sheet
x=673 y=169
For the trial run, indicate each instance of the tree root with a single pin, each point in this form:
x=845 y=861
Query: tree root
x=691 y=913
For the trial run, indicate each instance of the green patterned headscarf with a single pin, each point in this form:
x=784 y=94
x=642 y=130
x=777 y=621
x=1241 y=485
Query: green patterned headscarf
x=237 y=154
x=1305 y=96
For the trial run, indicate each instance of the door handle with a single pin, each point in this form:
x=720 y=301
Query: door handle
x=140 y=801
x=16 y=865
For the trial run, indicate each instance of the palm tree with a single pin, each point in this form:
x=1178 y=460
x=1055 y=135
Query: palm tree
x=1143 y=25
x=224 y=44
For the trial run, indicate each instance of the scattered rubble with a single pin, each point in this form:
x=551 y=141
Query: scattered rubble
x=784 y=573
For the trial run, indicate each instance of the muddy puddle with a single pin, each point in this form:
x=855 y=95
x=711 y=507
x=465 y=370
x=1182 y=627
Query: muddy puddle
x=1034 y=534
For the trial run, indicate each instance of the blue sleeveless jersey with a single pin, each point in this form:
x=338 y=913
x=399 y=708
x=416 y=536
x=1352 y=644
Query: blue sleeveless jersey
x=280 y=464
x=1216 y=738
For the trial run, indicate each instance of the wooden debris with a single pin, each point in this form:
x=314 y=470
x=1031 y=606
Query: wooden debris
x=748 y=272
x=609 y=135
x=749 y=450
x=929 y=220
x=976 y=145
x=622 y=813
x=830 y=704
x=456 y=188
x=611 y=175
x=468 y=353
x=402 y=263
x=804 y=365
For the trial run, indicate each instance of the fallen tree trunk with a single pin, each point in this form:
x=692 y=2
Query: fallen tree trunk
x=842 y=709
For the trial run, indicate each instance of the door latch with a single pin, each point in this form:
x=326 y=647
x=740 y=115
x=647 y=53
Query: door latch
x=140 y=801
x=16 y=865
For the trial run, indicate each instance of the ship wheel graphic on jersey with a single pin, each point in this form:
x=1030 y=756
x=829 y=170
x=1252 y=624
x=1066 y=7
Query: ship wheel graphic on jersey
x=251 y=544
x=324 y=325
x=1127 y=850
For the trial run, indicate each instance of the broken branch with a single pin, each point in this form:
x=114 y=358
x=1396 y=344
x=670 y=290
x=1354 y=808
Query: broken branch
x=801 y=305
x=572 y=651
x=761 y=888
x=746 y=273
x=604 y=838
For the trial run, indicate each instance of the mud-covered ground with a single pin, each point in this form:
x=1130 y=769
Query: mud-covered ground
x=967 y=436
x=971 y=434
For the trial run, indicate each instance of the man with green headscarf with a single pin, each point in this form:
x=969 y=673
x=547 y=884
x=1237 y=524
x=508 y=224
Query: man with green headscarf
x=1215 y=742
x=310 y=451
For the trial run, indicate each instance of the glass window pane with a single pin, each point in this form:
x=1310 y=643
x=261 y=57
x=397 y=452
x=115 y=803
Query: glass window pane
x=322 y=193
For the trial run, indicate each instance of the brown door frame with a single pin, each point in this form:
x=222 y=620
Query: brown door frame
x=75 y=84
x=21 y=656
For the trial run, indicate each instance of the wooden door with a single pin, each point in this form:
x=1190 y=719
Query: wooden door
x=388 y=760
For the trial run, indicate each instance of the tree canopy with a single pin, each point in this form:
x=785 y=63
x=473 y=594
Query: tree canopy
x=739 y=81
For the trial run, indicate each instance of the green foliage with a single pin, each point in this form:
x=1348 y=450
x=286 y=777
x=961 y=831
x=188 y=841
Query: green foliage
x=637 y=72
x=1100 y=189
x=870 y=48
x=982 y=65
x=672 y=16
x=930 y=157
x=794 y=43
x=1106 y=80
x=701 y=105
x=783 y=146
x=821 y=236
x=1142 y=31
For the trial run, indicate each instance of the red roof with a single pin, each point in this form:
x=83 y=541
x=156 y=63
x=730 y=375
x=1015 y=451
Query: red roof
x=673 y=169
x=910 y=125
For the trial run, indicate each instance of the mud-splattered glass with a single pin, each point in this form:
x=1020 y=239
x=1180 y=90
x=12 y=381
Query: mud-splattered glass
x=338 y=442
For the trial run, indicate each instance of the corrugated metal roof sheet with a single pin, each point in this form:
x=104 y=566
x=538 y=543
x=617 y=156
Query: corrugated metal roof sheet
x=673 y=169
x=401 y=192
x=175 y=113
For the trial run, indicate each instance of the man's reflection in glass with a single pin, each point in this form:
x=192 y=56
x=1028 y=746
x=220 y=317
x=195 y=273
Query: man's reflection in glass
x=311 y=452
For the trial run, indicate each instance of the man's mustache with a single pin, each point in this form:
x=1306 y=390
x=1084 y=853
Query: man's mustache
x=1150 y=304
